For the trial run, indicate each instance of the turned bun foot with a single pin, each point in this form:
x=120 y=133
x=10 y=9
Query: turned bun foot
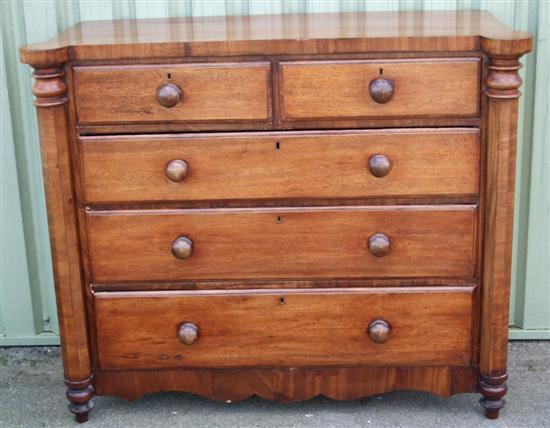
x=493 y=389
x=81 y=417
x=80 y=396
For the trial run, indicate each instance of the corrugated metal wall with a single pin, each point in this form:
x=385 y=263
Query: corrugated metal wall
x=27 y=303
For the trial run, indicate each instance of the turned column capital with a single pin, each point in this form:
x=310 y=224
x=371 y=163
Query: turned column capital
x=503 y=79
x=50 y=88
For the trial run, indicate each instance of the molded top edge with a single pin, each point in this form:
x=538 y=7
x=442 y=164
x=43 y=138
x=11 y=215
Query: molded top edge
x=323 y=33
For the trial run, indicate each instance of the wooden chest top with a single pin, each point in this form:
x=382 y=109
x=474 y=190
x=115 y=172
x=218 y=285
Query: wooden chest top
x=232 y=199
x=345 y=33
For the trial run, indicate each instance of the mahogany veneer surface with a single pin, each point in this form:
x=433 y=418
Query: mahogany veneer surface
x=282 y=243
x=424 y=162
x=290 y=328
x=284 y=206
x=319 y=33
x=211 y=93
x=340 y=89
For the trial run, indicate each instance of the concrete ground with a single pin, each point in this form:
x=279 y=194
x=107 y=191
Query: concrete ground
x=32 y=395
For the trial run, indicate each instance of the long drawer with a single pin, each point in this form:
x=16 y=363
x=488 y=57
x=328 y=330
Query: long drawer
x=215 y=92
x=336 y=242
x=393 y=88
x=344 y=164
x=393 y=326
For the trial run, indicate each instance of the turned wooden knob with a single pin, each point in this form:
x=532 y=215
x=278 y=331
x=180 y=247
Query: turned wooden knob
x=379 y=165
x=182 y=247
x=379 y=331
x=169 y=95
x=188 y=333
x=381 y=90
x=379 y=245
x=177 y=170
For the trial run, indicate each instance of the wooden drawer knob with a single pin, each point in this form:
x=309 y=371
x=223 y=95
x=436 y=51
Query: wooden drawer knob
x=379 y=165
x=169 y=95
x=177 y=170
x=379 y=331
x=381 y=90
x=188 y=333
x=182 y=247
x=379 y=245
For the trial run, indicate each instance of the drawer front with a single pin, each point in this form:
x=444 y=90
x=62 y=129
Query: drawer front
x=303 y=328
x=341 y=242
x=173 y=93
x=269 y=166
x=345 y=89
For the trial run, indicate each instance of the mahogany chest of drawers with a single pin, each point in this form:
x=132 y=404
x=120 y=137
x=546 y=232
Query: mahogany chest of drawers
x=284 y=206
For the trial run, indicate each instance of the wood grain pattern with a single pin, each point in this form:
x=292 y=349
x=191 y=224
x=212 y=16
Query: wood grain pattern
x=362 y=123
x=424 y=162
x=211 y=93
x=282 y=243
x=340 y=89
x=287 y=384
x=267 y=284
x=323 y=33
x=286 y=328
x=50 y=90
x=291 y=203
x=502 y=82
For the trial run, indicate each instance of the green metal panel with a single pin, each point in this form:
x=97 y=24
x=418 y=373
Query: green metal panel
x=27 y=299
x=534 y=313
x=27 y=302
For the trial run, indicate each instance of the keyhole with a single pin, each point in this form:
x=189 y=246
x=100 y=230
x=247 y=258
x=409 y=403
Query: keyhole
x=381 y=71
x=169 y=76
x=277 y=145
x=279 y=219
x=282 y=301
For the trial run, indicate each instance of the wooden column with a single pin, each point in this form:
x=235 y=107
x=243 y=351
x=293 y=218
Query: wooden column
x=502 y=92
x=50 y=90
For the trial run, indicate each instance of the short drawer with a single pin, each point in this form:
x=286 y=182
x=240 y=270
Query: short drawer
x=393 y=88
x=173 y=93
x=346 y=164
x=285 y=328
x=335 y=242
